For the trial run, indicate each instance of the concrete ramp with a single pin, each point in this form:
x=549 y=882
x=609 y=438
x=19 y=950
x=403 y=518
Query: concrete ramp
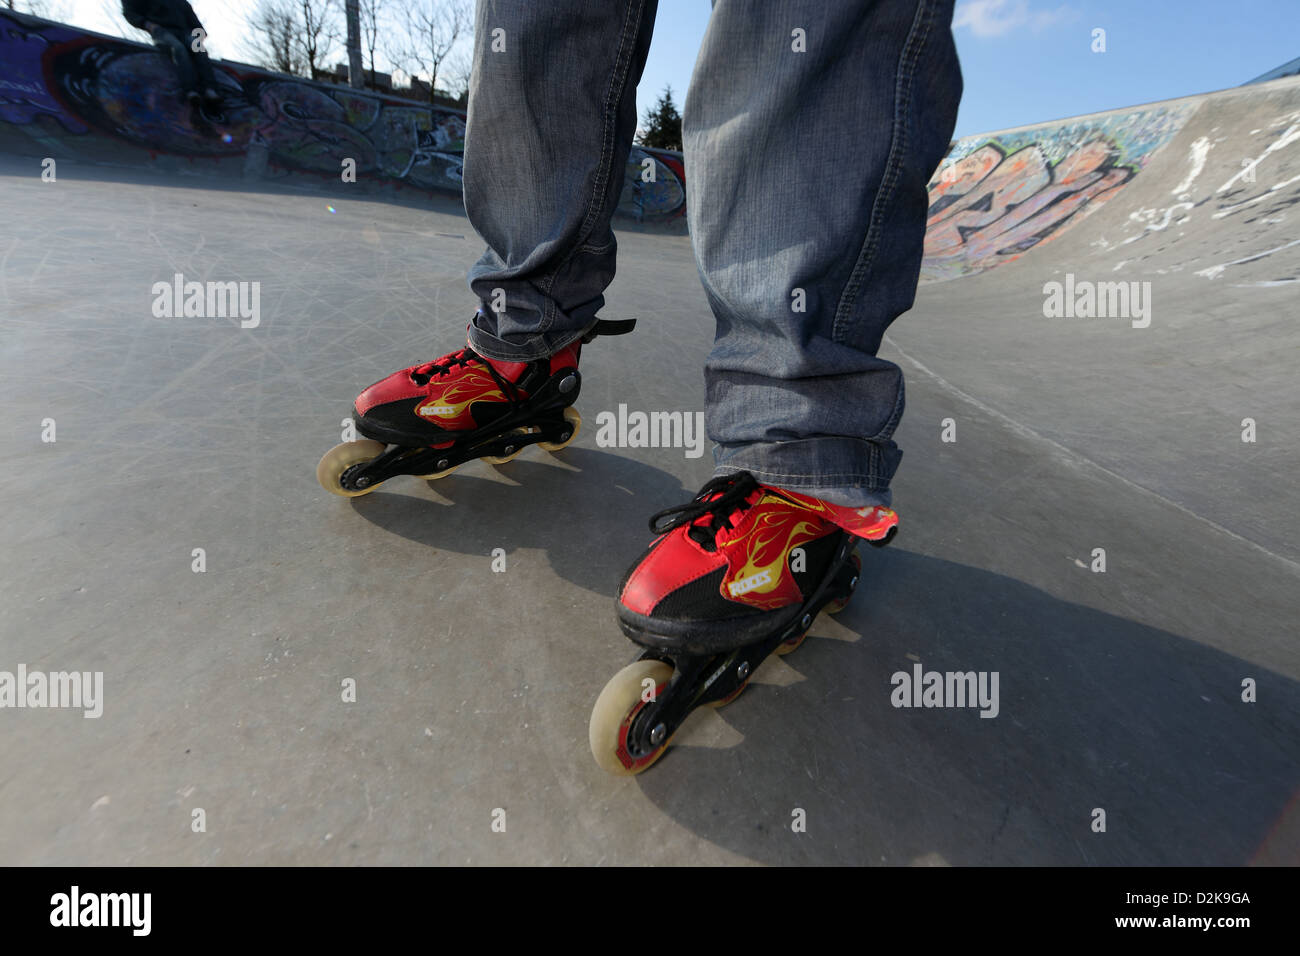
x=1129 y=283
x=1199 y=176
x=1098 y=496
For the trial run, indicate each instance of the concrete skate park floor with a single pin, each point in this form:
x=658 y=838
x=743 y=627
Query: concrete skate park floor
x=1119 y=690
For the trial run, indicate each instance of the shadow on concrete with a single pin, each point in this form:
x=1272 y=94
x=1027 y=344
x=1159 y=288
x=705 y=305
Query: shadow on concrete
x=543 y=507
x=1095 y=712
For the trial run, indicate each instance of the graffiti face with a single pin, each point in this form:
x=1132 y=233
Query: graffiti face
x=134 y=95
x=994 y=199
x=95 y=87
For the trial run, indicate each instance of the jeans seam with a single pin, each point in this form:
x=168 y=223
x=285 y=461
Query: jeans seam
x=822 y=477
x=609 y=114
x=893 y=164
x=894 y=417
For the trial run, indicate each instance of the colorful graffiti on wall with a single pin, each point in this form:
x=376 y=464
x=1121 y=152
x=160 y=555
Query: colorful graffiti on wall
x=66 y=92
x=993 y=199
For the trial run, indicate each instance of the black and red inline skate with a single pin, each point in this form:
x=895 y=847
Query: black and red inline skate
x=738 y=573
x=430 y=419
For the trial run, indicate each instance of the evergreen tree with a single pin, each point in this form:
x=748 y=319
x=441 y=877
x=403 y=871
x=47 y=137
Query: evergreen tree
x=662 y=124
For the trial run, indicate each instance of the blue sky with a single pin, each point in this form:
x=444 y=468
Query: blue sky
x=1023 y=60
x=1030 y=60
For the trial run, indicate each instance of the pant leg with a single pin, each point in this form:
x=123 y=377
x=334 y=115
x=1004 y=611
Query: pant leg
x=173 y=44
x=806 y=189
x=203 y=68
x=552 y=113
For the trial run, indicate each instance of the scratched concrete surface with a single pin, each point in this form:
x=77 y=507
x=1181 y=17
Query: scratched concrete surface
x=1119 y=690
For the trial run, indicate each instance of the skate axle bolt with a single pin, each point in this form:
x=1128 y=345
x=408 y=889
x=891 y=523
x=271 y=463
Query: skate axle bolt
x=853 y=582
x=658 y=734
x=807 y=621
x=362 y=482
x=743 y=670
x=444 y=464
x=509 y=449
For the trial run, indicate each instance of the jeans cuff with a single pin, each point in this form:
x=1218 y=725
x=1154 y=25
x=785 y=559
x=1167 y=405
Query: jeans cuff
x=534 y=347
x=844 y=471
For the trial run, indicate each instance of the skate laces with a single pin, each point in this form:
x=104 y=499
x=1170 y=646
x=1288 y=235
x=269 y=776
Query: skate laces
x=424 y=374
x=720 y=500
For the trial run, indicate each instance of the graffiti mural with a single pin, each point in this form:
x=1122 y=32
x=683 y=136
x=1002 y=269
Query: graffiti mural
x=67 y=92
x=993 y=199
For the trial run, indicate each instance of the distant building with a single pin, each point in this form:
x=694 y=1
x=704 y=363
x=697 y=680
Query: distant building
x=380 y=81
x=1286 y=69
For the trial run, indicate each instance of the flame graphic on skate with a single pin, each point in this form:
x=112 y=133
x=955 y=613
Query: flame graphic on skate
x=450 y=409
x=870 y=522
x=764 y=579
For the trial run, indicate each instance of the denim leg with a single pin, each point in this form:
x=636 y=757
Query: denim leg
x=203 y=67
x=552 y=113
x=806 y=193
x=173 y=46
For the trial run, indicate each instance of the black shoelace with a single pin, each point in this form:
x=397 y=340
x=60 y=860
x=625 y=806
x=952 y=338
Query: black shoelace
x=732 y=492
x=423 y=374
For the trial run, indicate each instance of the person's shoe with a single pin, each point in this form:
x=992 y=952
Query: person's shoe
x=738 y=563
x=461 y=392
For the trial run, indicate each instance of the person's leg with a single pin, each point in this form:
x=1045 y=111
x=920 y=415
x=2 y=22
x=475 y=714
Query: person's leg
x=172 y=43
x=806 y=197
x=552 y=113
x=203 y=68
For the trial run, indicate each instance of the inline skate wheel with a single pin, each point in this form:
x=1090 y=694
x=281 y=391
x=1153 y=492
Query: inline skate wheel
x=616 y=708
x=575 y=420
x=793 y=644
x=502 y=459
x=715 y=704
x=834 y=607
x=342 y=457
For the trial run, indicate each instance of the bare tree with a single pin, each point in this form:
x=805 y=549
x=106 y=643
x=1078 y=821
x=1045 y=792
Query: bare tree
x=456 y=71
x=432 y=29
x=317 y=32
x=45 y=9
x=370 y=31
x=272 y=38
x=112 y=10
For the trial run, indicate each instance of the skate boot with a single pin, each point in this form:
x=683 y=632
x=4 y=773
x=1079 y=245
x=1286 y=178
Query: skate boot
x=735 y=575
x=430 y=419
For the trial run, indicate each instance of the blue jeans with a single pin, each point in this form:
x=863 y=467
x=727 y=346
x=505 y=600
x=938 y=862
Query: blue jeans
x=806 y=179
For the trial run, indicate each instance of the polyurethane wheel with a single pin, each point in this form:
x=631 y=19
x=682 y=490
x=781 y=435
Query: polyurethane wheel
x=834 y=607
x=342 y=457
x=793 y=644
x=715 y=704
x=502 y=459
x=616 y=708
x=573 y=418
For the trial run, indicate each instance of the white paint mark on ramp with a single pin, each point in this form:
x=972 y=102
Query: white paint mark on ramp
x=1215 y=271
